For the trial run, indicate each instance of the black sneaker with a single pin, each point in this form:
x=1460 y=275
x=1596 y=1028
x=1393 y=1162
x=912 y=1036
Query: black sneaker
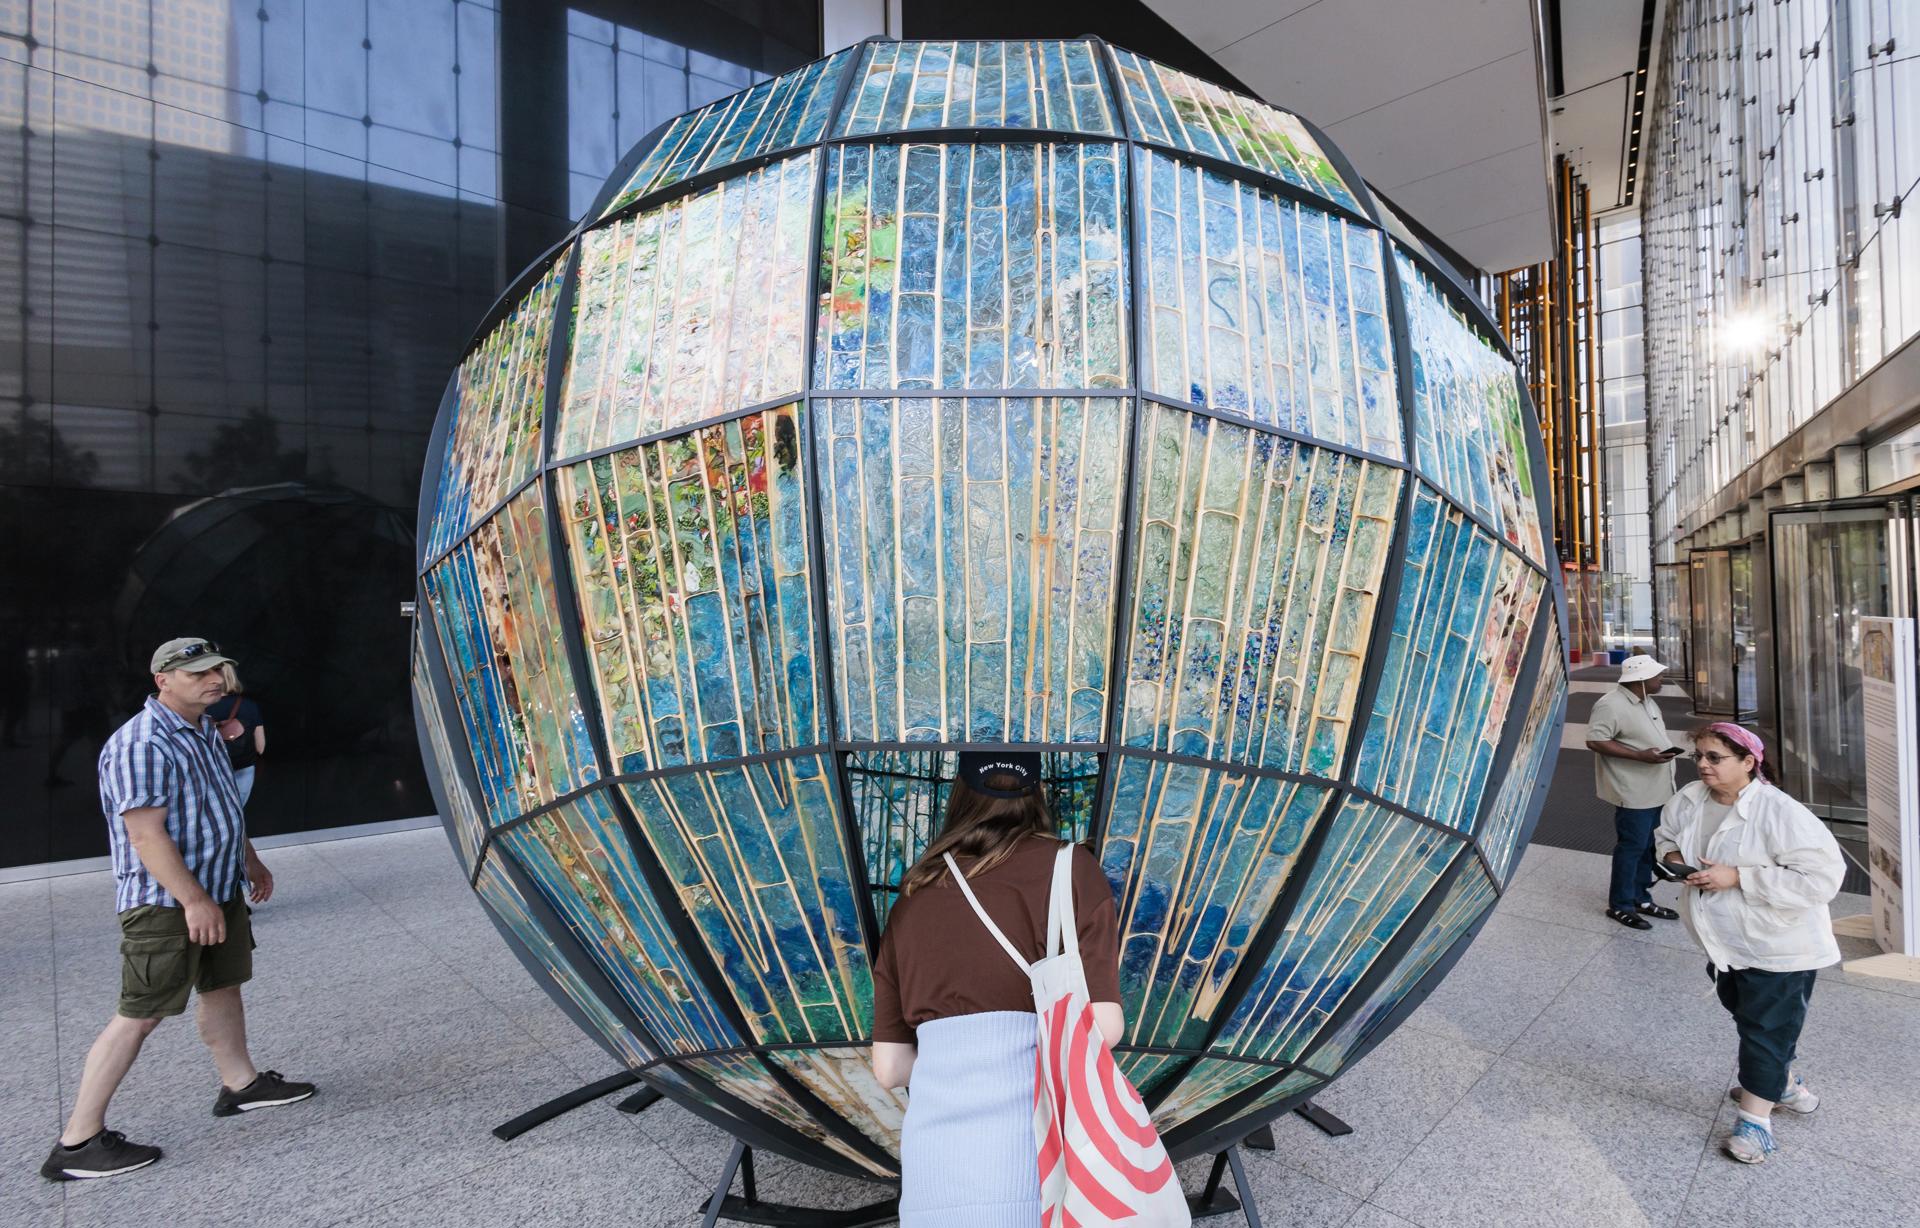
x=265 y=1092
x=106 y=1154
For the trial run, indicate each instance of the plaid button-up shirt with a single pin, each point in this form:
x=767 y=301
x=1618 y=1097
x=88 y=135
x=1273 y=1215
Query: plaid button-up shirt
x=161 y=759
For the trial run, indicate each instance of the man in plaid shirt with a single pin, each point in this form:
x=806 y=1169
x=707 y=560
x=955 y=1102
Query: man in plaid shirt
x=184 y=871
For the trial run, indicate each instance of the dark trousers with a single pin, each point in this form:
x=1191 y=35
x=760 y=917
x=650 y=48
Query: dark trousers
x=1768 y=1009
x=1632 y=856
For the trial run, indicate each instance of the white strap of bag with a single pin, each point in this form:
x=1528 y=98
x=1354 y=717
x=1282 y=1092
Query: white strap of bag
x=1059 y=907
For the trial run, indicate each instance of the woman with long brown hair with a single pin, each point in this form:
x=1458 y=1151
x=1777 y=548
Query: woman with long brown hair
x=954 y=1017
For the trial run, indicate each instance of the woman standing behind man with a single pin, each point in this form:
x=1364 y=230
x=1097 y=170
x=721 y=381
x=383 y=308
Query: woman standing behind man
x=238 y=719
x=1764 y=869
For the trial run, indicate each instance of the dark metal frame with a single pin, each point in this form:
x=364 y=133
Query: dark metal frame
x=1219 y=1130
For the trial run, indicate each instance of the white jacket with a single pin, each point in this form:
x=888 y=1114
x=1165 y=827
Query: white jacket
x=1790 y=867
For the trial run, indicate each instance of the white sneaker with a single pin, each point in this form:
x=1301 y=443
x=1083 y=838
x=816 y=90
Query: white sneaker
x=1798 y=1098
x=1749 y=1143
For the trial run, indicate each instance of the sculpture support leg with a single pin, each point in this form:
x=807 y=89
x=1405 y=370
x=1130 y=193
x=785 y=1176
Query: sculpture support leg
x=1324 y=1120
x=746 y=1207
x=507 y=1131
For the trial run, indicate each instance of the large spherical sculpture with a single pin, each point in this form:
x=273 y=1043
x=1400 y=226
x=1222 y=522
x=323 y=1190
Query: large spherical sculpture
x=939 y=395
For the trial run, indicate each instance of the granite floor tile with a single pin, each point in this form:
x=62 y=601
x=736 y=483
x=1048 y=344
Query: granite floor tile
x=340 y=1166
x=611 y=1177
x=1801 y=1186
x=1642 y=1019
x=1369 y=1216
x=1510 y=974
x=1393 y=1099
x=1528 y=1146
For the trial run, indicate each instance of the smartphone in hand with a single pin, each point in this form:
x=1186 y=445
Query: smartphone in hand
x=1673 y=752
x=1674 y=871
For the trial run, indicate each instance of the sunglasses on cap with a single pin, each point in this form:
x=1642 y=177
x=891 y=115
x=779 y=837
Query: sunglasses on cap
x=187 y=654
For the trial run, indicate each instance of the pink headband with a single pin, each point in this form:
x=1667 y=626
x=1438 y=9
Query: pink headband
x=1743 y=738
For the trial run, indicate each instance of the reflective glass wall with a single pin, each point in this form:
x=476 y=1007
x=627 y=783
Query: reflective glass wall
x=1831 y=568
x=1727 y=627
x=1780 y=262
x=242 y=242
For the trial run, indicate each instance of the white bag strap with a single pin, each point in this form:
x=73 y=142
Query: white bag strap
x=1063 y=933
x=981 y=913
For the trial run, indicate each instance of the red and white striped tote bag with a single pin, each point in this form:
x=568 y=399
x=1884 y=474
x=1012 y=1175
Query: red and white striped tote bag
x=1100 y=1159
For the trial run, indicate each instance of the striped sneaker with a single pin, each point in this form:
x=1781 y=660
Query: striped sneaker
x=106 y=1154
x=265 y=1092
x=1750 y=1143
x=1798 y=1098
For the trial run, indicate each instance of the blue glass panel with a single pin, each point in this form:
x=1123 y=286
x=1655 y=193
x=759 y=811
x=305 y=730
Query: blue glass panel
x=1265 y=308
x=493 y=604
x=493 y=442
x=1214 y=1080
x=1171 y=108
x=760 y=859
x=1467 y=900
x=1459 y=636
x=690 y=562
x=748 y=1079
x=692 y=310
x=1197 y=856
x=970 y=552
x=1470 y=431
x=973 y=266
x=782 y=113
x=466 y=822
x=904 y=87
x=1499 y=834
x=1372 y=872
x=1257 y=565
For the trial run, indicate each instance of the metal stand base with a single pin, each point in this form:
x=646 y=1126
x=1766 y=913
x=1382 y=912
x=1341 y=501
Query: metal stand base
x=746 y=1207
x=1326 y=1121
x=507 y=1131
x=1213 y=1200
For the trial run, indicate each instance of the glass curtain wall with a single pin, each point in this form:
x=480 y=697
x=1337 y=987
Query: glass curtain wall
x=1725 y=631
x=242 y=242
x=1674 y=617
x=1832 y=568
x=1623 y=438
x=1782 y=252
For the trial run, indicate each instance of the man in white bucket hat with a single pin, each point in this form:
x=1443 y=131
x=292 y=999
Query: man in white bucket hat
x=1633 y=770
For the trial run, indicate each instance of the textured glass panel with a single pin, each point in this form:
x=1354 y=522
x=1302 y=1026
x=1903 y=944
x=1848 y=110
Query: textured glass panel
x=1285 y=1088
x=745 y=1077
x=1468 y=899
x=1266 y=308
x=1499 y=835
x=1166 y=107
x=578 y=857
x=1257 y=564
x=970 y=548
x=1211 y=1082
x=494 y=438
x=1373 y=870
x=690 y=561
x=789 y=110
x=844 y=1079
x=493 y=604
x=759 y=856
x=900 y=796
x=1197 y=857
x=904 y=87
x=973 y=266
x=506 y=903
x=694 y=309
x=466 y=821
x=1470 y=431
x=1459 y=636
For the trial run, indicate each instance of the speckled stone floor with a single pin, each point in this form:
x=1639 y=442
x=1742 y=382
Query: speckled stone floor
x=1569 y=1072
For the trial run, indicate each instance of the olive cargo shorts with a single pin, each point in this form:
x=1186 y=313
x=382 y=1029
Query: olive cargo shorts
x=158 y=965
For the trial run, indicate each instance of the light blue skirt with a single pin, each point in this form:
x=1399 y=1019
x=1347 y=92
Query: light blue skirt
x=967 y=1156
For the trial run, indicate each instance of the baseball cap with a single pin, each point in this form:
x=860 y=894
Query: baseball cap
x=193 y=653
x=977 y=765
x=1640 y=668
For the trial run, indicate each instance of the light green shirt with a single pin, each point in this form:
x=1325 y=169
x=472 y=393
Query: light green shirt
x=1621 y=717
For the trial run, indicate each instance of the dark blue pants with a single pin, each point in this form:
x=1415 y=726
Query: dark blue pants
x=1632 y=856
x=1768 y=1009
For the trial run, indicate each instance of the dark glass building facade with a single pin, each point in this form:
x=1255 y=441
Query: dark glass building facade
x=242 y=243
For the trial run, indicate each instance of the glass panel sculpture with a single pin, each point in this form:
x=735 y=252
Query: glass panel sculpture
x=985 y=393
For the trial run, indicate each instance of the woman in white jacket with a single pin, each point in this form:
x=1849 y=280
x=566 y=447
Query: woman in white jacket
x=1757 y=906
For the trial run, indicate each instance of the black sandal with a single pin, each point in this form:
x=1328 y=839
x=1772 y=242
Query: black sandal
x=1656 y=910
x=1632 y=920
